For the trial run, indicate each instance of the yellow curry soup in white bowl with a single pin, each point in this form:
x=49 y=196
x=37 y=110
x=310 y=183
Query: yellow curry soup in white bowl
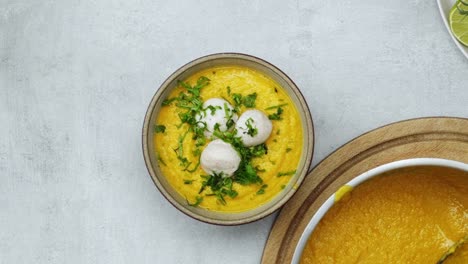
x=228 y=138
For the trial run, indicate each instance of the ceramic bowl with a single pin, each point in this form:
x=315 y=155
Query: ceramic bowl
x=364 y=177
x=226 y=59
x=445 y=6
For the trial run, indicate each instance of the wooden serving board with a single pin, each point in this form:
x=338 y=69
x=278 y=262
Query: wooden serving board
x=438 y=137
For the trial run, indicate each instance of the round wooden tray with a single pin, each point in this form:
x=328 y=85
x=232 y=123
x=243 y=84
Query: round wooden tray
x=438 y=137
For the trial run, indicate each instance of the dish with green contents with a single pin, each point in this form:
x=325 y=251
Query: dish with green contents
x=454 y=19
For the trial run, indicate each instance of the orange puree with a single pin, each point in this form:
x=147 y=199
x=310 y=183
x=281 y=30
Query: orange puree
x=412 y=215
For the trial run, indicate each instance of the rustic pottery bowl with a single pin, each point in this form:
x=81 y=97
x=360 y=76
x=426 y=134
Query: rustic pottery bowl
x=226 y=59
x=362 y=178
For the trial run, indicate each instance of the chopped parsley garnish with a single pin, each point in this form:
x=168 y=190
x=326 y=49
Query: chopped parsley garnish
x=277 y=115
x=286 y=173
x=229 y=114
x=251 y=130
x=159 y=128
x=246 y=173
x=180 y=151
x=283 y=186
x=189 y=100
x=194 y=168
x=220 y=187
x=197 y=202
x=275 y=106
x=168 y=101
x=213 y=109
x=288 y=150
x=262 y=189
x=188 y=181
x=279 y=111
x=237 y=99
x=196 y=152
x=248 y=100
x=191 y=104
x=258 y=169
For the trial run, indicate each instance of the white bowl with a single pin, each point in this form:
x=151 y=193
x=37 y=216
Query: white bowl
x=360 y=179
x=444 y=8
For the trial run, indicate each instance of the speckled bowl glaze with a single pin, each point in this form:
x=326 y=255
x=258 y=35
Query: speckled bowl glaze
x=362 y=178
x=215 y=60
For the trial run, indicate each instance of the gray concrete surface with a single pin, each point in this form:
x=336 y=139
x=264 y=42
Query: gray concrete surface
x=76 y=78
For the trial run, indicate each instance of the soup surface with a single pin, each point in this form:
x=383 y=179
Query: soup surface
x=276 y=167
x=411 y=215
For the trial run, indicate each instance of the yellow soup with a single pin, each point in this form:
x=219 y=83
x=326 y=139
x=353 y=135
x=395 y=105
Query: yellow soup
x=412 y=215
x=284 y=144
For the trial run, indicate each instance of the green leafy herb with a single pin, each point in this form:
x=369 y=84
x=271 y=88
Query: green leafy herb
x=213 y=109
x=288 y=150
x=258 y=169
x=220 y=187
x=275 y=106
x=188 y=181
x=168 y=101
x=197 y=202
x=229 y=113
x=194 y=168
x=196 y=152
x=286 y=173
x=277 y=115
x=251 y=130
x=180 y=151
x=262 y=189
x=249 y=100
x=190 y=100
x=246 y=173
x=283 y=186
x=237 y=99
x=191 y=105
x=228 y=90
x=159 y=128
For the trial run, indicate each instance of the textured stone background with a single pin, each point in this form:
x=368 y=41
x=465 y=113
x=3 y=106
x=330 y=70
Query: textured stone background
x=76 y=78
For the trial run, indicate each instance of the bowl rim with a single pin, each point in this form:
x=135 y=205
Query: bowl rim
x=374 y=172
x=308 y=155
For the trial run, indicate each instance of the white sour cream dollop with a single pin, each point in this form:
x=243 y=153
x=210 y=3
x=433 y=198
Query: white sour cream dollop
x=218 y=111
x=220 y=157
x=254 y=127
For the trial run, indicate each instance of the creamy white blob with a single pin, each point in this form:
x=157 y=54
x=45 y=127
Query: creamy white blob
x=254 y=127
x=217 y=112
x=220 y=157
